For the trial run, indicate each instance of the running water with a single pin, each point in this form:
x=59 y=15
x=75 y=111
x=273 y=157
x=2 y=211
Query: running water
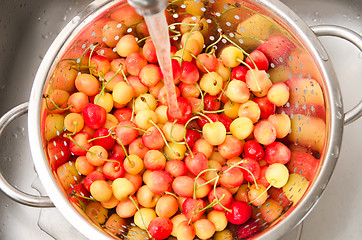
x=158 y=29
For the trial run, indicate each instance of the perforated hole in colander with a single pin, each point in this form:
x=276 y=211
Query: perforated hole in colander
x=299 y=124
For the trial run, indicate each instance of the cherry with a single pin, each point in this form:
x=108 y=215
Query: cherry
x=176 y=168
x=203 y=120
x=231 y=147
x=191 y=137
x=92 y=177
x=191 y=208
x=253 y=149
x=196 y=163
x=207 y=62
x=223 y=195
x=117 y=152
x=276 y=49
x=78 y=194
x=239 y=73
x=185 y=108
x=123 y=114
x=58 y=151
x=253 y=167
x=259 y=59
x=102 y=138
x=113 y=169
x=231 y=177
x=240 y=213
x=80 y=144
x=189 y=72
x=100 y=65
x=248 y=229
x=211 y=103
x=94 y=116
x=126 y=132
x=160 y=227
x=277 y=152
x=226 y=121
x=159 y=182
x=153 y=139
x=266 y=107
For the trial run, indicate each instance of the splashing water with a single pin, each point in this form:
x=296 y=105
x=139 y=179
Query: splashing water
x=158 y=29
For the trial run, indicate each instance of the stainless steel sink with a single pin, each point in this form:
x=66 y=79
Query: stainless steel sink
x=27 y=30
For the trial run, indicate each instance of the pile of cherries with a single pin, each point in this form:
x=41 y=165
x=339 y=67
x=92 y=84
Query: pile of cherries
x=123 y=157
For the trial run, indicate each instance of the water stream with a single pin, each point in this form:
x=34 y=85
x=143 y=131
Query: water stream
x=158 y=29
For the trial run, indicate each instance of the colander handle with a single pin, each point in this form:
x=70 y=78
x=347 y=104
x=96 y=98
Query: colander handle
x=353 y=37
x=5 y=186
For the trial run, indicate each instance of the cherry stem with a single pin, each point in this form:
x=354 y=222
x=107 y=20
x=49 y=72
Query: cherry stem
x=81 y=57
x=184 y=47
x=125 y=152
x=71 y=139
x=105 y=85
x=172 y=194
x=205 y=116
x=138 y=209
x=124 y=76
x=164 y=138
x=197 y=177
x=218 y=200
x=171 y=130
x=46 y=96
x=136 y=23
x=214 y=43
x=110 y=133
x=93 y=47
x=266 y=190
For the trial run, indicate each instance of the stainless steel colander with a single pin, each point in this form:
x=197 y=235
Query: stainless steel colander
x=315 y=107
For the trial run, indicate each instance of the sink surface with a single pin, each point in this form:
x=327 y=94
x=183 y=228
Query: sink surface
x=28 y=28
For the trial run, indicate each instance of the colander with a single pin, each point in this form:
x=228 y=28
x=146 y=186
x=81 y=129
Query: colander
x=315 y=106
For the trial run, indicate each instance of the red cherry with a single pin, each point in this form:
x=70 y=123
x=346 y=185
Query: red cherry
x=191 y=137
x=266 y=107
x=113 y=169
x=191 y=208
x=277 y=152
x=211 y=103
x=99 y=65
x=240 y=213
x=160 y=228
x=126 y=132
x=239 y=73
x=226 y=121
x=123 y=114
x=277 y=49
x=189 y=72
x=94 y=116
x=186 y=111
x=79 y=190
x=92 y=177
x=202 y=120
x=104 y=139
x=248 y=229
x=152 y=138
x=58 y=151
x=253 y=167
x=259 y=59
x=196 y=163
x=117 y=152
x=253 y=149
x=80 y=139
